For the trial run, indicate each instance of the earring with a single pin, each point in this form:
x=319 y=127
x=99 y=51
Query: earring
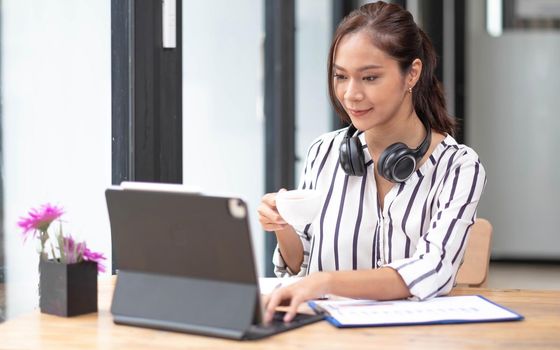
x=410 y=89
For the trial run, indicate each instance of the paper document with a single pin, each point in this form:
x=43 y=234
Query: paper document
x=268 y=284
x=454 y=309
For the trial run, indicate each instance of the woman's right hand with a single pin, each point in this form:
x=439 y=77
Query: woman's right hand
x=269 y=217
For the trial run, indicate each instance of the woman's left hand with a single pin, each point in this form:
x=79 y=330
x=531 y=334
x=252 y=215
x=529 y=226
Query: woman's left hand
x=313 y=286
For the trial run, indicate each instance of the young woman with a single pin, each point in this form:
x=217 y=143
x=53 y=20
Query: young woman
x=400 y=193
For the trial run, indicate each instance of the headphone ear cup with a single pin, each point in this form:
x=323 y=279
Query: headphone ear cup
x=351 y=154
x=344 y=156
x=404 y=167
x=391 y=157
x=356 y=156
x=398 y=162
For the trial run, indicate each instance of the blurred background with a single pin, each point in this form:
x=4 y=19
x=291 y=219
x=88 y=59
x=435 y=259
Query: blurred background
x=92 y=95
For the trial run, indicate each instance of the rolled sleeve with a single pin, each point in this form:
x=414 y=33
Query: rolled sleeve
x=281 y=269
x=432 y=269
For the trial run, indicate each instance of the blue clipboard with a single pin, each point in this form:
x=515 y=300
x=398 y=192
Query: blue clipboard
x=330 y=309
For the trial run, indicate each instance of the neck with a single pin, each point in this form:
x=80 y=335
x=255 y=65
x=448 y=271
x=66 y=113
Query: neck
x=406 y=128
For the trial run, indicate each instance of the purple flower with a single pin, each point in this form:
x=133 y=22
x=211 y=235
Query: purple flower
x=88 y=255
x=74 y=252
x=39 y=219
x=67 y=250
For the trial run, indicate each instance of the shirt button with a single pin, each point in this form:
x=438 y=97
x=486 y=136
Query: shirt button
x=379 y=263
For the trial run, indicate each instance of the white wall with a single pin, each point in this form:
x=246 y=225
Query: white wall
x=223 y=122
x=313 y=39
x=223 y=125
x=56 y=115
x=512 y=122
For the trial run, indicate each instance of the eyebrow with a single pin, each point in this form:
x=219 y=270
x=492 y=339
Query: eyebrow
x=371 y=66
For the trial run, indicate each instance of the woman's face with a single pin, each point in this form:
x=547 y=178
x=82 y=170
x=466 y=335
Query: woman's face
x=367 y=82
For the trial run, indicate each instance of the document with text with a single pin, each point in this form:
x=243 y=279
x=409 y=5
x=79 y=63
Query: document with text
x=440 y=310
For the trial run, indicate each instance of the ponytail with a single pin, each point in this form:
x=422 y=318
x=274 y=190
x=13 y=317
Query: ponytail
x=427 y=96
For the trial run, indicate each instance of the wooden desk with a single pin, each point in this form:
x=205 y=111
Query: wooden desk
x=539 y=330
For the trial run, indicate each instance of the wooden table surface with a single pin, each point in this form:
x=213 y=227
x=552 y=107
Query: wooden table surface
x=539 y=330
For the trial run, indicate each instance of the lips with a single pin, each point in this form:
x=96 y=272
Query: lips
x=358 y=112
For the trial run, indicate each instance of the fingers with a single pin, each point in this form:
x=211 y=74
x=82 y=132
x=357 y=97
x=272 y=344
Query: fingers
x=269 y=217
x=292 y=310
x=270 y=220
x=269 y=199
x=273 y=228
x=295 y=294
x=273 y=301
x=265 y=298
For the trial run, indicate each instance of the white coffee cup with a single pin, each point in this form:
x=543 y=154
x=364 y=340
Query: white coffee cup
x=299 y=207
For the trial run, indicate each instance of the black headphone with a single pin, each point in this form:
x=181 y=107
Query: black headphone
x=396 y=163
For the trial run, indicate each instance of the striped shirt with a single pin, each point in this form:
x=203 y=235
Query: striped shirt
x=420 y=232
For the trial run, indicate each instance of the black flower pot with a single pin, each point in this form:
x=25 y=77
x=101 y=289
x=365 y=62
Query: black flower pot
x=67 y=289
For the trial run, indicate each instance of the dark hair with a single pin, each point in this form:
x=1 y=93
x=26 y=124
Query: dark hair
x=394 y=31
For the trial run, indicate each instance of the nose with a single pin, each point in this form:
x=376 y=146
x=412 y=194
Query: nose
x=353 y=91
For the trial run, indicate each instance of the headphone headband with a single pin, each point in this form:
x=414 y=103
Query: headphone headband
x=396 y=163
x=425 y=145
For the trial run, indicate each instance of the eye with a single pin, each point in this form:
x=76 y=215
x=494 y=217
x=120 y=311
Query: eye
x=370 y=78
x=337 y=76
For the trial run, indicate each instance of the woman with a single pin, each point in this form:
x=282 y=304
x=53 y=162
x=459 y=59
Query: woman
x=395 y=217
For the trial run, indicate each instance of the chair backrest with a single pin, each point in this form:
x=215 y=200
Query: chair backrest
x=474 y=270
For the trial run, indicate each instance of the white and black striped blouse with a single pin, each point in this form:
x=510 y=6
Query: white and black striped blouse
x=421 y=231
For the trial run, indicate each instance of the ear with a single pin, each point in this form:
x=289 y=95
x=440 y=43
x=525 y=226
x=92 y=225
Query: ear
x=414 y=73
